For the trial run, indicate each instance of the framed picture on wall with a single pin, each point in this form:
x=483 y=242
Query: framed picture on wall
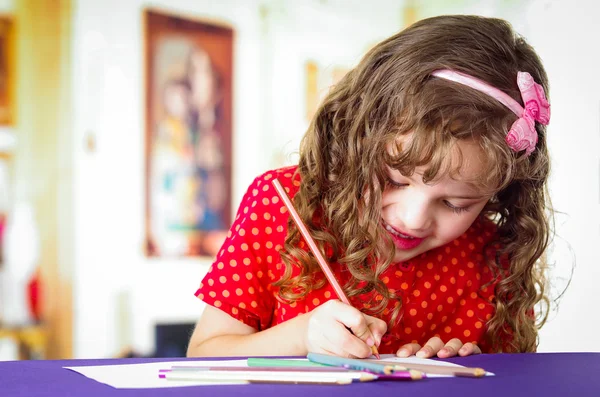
x=188 y=73
x=6 y=71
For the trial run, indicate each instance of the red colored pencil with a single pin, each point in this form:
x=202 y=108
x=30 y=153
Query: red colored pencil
x=315 y=250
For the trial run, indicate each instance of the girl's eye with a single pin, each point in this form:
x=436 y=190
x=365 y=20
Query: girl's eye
x=396 y=185
x=456 y=209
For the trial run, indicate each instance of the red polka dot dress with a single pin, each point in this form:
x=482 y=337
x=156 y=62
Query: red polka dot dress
x=443 y=290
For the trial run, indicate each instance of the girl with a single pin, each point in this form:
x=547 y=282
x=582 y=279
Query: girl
x=423 y=180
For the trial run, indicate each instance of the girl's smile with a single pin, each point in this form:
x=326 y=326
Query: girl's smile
x=402 y=241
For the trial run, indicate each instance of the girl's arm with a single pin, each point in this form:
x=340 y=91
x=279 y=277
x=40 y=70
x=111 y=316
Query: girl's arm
x=332 y=328
x=219 y=334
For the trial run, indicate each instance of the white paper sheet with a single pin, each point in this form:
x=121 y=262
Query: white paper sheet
x=145 y=376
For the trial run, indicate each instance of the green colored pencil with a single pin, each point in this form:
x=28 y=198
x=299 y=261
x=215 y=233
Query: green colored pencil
x=281 y=362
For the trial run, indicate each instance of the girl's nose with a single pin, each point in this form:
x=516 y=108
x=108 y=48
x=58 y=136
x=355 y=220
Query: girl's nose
x=416 y=214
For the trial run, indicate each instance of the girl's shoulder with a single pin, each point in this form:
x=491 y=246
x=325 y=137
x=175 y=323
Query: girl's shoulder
x=262 y=186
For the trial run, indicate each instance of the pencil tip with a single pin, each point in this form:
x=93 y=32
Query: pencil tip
x=479 y=372
x=375 y=352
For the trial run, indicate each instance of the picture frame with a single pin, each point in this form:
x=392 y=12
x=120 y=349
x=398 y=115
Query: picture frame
x=7 y=76
x=188 y=69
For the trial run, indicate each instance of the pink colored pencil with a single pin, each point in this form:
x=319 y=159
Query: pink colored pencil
x=315 y=250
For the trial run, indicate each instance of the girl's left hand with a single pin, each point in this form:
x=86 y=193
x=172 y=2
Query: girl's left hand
x=435 y=346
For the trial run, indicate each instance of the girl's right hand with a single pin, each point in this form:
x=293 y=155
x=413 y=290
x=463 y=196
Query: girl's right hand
x=340 y=329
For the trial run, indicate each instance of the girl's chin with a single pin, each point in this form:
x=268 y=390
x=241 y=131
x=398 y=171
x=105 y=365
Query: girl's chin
x=404 y=256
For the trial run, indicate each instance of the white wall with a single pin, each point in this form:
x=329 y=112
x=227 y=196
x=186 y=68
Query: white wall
x=334 y=33
x=565 y=35
x=7 y=6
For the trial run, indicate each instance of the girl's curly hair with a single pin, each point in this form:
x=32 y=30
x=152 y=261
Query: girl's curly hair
x=391 y=93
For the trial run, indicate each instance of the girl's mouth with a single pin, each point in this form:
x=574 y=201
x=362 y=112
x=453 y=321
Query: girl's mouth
x=401 y=240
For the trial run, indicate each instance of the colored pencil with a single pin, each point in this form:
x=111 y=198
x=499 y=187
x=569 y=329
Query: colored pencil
x=332 y=382
x=403 y=375
x=263 y=371
x=319 y=369
x=362 y=376
x=281 y=362
x=435 y=369
x=268 y=376
x=315 y=250
x=211 y=377
x=350 y=363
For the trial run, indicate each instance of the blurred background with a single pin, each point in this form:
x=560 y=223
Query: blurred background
x=130 y=129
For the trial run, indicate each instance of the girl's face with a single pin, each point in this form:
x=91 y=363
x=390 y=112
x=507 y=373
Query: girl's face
x=420 y=216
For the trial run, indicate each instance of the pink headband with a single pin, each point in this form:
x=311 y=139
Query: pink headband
x=522 y=134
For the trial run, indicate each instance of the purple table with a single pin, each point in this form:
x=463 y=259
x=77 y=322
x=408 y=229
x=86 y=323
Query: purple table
x=541 y=374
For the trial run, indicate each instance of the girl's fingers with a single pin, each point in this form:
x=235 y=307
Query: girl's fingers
x=451 y=348
x=378 y=328
x=333 y=349
x=469 y=349
x=340 y=340
x=339 y=329
x=408 y=350
x=431 y=348
x=355 y=321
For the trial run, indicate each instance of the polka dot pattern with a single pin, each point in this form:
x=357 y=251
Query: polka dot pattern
x=442 y=290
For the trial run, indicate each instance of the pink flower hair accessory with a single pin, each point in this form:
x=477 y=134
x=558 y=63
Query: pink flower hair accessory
x=522 y=134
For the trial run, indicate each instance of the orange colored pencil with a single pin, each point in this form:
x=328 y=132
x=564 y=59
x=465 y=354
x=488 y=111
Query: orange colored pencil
x=315 y=250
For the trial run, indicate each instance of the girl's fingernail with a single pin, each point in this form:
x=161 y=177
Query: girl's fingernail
x=444 y=351
x=421 y=353
x=370 y=341
x=463 y=350
x=403 y=353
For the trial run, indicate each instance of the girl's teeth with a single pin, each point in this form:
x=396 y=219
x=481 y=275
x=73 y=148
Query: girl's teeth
x=389 y=229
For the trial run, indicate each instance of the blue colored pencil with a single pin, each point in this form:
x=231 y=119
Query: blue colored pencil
x=384 y=371
x=350 y=363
